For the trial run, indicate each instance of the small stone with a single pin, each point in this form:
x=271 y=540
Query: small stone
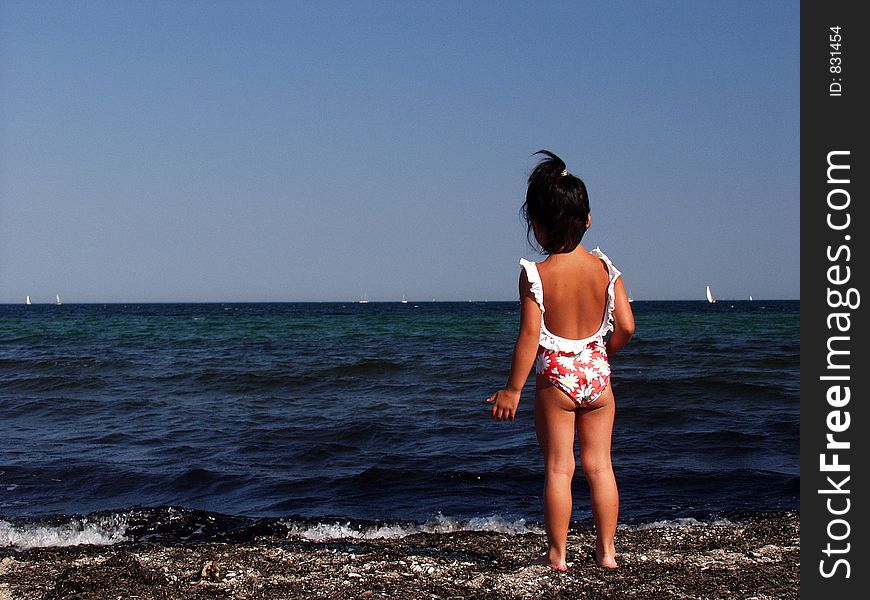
x=211 y=571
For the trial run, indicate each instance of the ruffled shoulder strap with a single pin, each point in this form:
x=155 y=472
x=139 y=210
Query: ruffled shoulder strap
x=607 y=323
x=534 y=281
x=614 y=272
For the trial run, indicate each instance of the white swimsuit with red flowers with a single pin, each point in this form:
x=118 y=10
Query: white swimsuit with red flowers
x=577 y=367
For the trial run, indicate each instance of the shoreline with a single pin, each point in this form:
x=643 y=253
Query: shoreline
x=758 y=557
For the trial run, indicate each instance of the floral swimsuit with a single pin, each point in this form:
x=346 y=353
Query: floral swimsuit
x=577 y=367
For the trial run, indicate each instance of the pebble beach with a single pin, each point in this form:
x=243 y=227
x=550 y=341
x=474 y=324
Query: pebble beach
x=753 y=557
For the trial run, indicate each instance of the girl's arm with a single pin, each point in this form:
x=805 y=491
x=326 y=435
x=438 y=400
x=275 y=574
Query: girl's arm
x=505 y=401
x=623 y=320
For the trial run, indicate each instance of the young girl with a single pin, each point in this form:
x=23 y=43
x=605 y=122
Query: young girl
x=568 y=303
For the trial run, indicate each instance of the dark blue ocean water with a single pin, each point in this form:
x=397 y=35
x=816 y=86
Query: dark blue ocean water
x=375 y=412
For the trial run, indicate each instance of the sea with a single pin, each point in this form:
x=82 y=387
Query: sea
x=186 y=422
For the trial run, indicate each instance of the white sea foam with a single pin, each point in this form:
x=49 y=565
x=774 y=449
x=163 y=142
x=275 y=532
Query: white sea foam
x=440 y=524
x=101 y=531
x=109 y=529
x=677 y=523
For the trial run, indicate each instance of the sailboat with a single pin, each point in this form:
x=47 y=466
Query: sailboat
x=364 y=299
x=404 y=301
x=750 y=298
x=57 y=299
x=27 y=301
x=710 y=297
x=630 y=299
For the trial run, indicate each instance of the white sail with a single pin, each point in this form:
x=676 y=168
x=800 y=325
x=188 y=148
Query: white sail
x=710 y=297
x=28 y=300
x=404 y=301
x=57 y=299
x=750 y=298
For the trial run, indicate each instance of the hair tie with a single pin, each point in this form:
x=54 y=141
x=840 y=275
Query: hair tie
x=564 y=172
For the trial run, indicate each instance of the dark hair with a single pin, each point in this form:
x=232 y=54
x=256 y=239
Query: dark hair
x=557 y=203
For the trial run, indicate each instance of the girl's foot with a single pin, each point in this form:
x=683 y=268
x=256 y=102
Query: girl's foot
x=607 y=559
x=553 y=564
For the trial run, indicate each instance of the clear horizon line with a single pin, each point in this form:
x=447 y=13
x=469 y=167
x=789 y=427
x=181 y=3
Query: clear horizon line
x=719 y=300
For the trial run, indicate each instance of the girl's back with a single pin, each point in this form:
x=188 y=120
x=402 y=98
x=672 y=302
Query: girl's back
x=575 y=293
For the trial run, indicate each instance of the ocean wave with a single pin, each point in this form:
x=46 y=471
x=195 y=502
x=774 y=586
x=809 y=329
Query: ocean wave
x=366 y=366
x=321 y=531
x=51 y=383
x=181 y=525
x=99 y=530
x=172 y=524
x=677 y=523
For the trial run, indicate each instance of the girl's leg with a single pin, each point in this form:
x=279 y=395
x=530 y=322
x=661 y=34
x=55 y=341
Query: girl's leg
x=594 y=428
x=554 y=425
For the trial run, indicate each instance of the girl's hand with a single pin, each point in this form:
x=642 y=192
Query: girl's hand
x=504 y=404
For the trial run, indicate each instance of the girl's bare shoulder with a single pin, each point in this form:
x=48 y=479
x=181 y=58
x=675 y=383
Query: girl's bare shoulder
x=584 y=264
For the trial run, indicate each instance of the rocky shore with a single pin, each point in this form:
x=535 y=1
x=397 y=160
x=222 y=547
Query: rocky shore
x=756 y=557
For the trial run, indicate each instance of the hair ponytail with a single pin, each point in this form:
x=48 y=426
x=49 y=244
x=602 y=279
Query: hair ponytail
x=549 y=168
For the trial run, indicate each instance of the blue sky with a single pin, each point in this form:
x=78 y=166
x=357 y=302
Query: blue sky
x=295 y=151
